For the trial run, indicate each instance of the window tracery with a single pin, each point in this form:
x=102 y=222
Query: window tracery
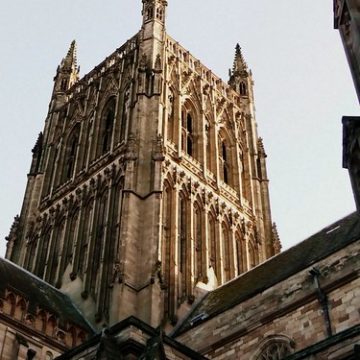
x=275 y=347
x=107 y=127
x=71 y=153
x=125 y=114
x=243 y=89
x=187 y=132
x=224 y=161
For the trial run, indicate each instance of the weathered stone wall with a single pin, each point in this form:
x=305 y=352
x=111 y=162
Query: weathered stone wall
x=290 y=309
x=17 y=344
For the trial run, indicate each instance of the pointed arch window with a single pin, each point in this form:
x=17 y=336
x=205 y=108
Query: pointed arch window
x=243 y=89
x=187 y=133
x=55 y=252
x=71 y=153
x=44 y=246
x=99 y=242
x=253 y=256
x=207 y=144
x=183 y=257
x=275 y=347
x=240 y=254
x=125 y=114
x=106 y=127
x=224 y=161
x=212 y=242
x=198 y=243
x=86 y=236
x=226 y=251
x=170 y=111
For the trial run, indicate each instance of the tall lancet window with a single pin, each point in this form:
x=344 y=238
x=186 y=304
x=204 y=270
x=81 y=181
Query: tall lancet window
x=84 y=240
x=226 y=252
x=198 y=243
x=241 y=261
x=209 y=146
x=106 y=127
x=98 y=242
x=224 y=162
x=212 y=243
x=170 y=111
x=242 y=89
x=55 y=252
x=167 y=249
x=71 y=152
x=187 y=133
x=182 y=246
x=44 y=247
x=125 y=114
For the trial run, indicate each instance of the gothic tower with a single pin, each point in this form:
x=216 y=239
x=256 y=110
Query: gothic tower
x=148 y=183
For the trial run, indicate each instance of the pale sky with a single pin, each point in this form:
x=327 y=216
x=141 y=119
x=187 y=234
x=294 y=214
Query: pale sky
x=302 y=88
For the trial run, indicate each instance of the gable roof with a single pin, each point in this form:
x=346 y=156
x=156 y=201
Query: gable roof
x=40 y=294
x=274 y=270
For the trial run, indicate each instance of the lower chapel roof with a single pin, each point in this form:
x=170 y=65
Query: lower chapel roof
x=114 y=345
x=322 y=244
x=40 y=295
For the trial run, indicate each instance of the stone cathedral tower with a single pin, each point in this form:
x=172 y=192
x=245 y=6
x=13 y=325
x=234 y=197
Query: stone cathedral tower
x=148 y=182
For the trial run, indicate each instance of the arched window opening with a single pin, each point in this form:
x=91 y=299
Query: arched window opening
x=149 y=13
x=71 y=153
x=108 y=132
x=51 y=326
x=20 y=309
x=224 y=162
x=198 y=243
x=159 y=13
x=40 y=321
x=125 y=114
x=212 y=242
x=106 y=127
x=170 y=110
x=44 y=246
x=99 y=242
x=86 y=236
x=30 y=253
x=166 y=220
x=182 y=247
x=243 y=89
x=276 y=349
x=187 y=133
x=259 y=171
x=226 y=252
x=64 y=83
x=252 y=255
x=9 y=304
x=167 y=249
x=49 y=356
x=243 y=176
x=239 y=266
x=54 y=261
x=71 y=238
x=208 y=146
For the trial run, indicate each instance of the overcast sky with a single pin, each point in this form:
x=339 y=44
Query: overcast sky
x=302 y=88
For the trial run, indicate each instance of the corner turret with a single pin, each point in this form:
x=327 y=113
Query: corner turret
x=67 y=73
x=239 y=75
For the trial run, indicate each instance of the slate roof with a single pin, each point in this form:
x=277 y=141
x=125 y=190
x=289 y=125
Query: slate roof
x=274 y=270
x=40 y=294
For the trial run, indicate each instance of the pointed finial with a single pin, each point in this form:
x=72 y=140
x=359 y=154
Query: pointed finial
x=261 y=147
x=239 y=61
x=70 y=60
